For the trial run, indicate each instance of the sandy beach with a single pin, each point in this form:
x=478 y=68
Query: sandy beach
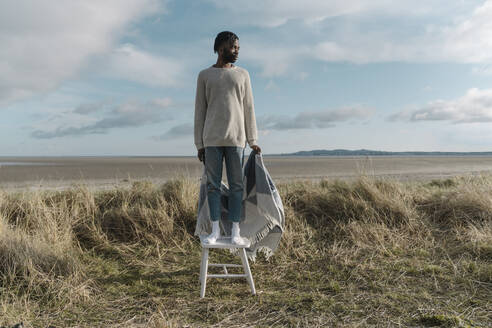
x=106 y=172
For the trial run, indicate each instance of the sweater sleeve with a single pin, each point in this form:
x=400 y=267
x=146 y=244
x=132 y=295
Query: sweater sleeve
x=249 y=113
x=200 y=111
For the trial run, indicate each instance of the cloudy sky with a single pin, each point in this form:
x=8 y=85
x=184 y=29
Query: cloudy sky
x=118 y=77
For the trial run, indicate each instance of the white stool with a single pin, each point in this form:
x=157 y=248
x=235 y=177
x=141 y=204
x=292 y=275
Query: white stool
x=224 y=242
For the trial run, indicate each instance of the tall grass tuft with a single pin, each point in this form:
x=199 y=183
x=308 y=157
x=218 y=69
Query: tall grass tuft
x=466 y=202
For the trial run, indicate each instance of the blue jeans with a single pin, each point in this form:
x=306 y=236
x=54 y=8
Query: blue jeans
x=213 y=166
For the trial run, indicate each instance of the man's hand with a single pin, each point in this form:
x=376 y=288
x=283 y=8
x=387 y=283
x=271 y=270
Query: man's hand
x=256 y=148
x=201 y=154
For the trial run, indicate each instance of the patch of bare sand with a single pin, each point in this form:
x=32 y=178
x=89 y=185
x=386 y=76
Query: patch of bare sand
x=107 y=172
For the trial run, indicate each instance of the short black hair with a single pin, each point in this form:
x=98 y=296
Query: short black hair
x=224 y=37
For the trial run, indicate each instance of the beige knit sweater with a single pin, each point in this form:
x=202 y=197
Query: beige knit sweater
x=224 y=109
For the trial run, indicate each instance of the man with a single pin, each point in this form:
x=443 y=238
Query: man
x=224 y=122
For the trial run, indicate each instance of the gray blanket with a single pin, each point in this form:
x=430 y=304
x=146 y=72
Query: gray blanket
x=262 y=215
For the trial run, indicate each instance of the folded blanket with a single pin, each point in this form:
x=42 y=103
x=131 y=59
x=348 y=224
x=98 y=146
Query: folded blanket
x=262 y=215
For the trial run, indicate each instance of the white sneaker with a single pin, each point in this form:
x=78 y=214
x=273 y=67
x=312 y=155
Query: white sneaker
x=212 y=238
x=238 y=240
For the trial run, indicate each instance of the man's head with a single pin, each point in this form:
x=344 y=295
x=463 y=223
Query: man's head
x=227 y=46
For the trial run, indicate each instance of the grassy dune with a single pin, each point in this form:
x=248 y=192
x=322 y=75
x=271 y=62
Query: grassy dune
x=373 y=252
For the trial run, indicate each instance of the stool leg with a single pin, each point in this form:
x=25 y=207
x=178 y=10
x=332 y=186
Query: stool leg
x=249 y=277
x=203 y=272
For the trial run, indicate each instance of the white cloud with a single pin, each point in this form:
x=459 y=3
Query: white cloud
x=434 y=31
x=465 y=40
x=274 y=59
x=162 y=102
x=274 y=13
x=127 y=62
x=178 y=131
x=474 y=107
x=362 y=49
x=309 y=120
x=46 y=42
x=278 y=12
x=81 y=120
x=471 y=40
x=484 y=69
x=271 y=86
x=303 y=75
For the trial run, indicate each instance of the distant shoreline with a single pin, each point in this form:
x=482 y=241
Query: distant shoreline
x=302 y=153
x=5 y=159
x=106 y=172
x=368 y=152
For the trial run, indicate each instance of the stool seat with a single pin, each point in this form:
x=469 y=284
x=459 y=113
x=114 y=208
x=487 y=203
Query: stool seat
x=224 y=242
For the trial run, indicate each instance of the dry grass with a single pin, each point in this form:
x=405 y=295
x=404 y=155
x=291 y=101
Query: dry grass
x=372 y=252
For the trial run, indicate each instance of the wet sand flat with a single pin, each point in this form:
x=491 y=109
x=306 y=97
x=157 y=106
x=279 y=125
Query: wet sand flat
x=103 y=172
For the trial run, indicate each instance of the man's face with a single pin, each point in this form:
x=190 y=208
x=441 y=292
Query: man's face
x=230 y=52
